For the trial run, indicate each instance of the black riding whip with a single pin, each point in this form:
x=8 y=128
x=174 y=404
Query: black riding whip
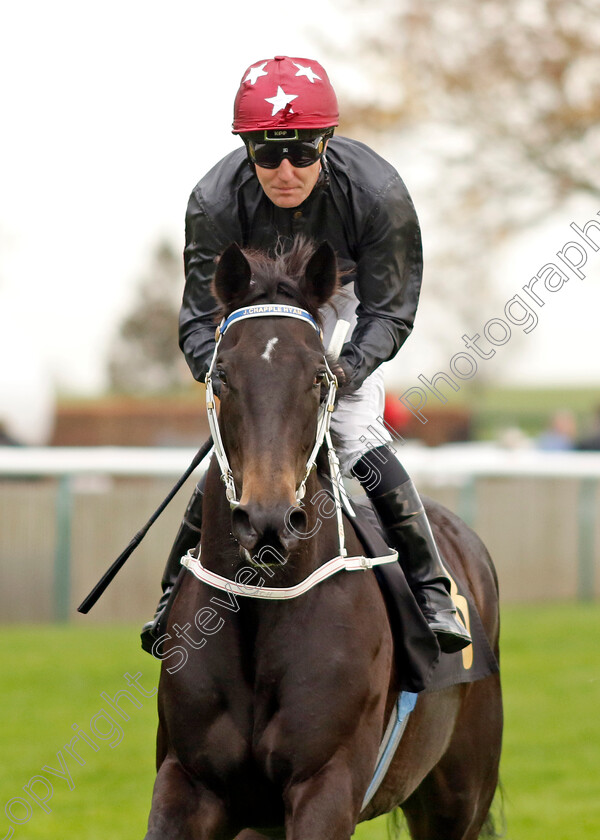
x=108 y=576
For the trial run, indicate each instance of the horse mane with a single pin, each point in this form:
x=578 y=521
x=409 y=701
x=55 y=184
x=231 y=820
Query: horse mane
x=277 y=275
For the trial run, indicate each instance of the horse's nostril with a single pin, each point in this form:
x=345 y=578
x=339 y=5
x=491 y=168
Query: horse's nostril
x=242 y=528
x=297 y=522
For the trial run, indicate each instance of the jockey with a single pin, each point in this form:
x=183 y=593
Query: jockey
x=293 y=176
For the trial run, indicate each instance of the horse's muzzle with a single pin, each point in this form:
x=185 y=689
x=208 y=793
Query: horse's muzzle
x=279 y=526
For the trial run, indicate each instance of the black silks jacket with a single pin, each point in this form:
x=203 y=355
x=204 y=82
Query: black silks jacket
x=359 y=205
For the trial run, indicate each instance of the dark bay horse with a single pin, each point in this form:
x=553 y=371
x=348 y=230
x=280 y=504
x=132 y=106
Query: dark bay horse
x=271 y=713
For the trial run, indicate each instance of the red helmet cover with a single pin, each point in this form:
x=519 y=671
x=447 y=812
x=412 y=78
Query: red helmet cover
x=284 y=92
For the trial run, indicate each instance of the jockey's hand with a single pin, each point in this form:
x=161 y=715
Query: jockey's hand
x=343 y=375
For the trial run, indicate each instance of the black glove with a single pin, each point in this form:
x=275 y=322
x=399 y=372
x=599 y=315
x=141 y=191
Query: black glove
x=343 y=375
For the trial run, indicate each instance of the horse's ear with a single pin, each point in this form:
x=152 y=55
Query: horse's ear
x=321 y=277
x=232 y=278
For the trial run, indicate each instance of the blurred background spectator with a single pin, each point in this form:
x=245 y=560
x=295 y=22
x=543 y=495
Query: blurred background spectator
x=560 y=434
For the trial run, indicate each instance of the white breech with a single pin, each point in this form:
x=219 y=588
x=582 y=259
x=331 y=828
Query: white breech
x=355 y=419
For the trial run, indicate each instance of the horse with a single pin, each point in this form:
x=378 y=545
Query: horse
x=271 y=712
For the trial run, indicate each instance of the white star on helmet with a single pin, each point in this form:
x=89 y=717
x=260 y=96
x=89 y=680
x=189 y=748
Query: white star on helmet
x=306 y=71
x=280 y=100
x=255 y=72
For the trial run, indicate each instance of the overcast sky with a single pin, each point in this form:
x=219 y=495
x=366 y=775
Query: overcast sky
x=110 y=114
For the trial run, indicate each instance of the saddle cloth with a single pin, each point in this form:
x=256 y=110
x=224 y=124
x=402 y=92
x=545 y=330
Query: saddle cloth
x=420 y=664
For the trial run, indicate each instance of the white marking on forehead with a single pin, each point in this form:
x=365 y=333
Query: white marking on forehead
x=269 y=349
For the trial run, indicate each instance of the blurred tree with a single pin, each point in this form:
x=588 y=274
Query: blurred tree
x=523 y=75
x=145 y=355
x=500 y=99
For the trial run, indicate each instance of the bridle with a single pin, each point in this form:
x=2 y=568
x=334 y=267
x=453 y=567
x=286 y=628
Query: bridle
x=279 y=310
x=192 y=559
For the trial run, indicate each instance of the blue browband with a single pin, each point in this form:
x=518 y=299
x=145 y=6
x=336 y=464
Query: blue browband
x=265 y=309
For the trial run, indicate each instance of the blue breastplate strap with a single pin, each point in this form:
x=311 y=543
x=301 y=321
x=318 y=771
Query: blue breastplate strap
x=391 y=739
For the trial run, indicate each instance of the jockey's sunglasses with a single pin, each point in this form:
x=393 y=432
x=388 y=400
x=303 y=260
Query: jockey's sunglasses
x=300 y=153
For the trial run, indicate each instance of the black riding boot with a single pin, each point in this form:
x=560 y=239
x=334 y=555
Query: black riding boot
x=187 y=537
x=405 y=521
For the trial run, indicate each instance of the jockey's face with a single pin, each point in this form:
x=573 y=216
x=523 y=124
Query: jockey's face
x=288 y=186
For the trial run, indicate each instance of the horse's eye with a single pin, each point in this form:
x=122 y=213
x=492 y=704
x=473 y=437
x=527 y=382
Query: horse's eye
x=319 y=378
x=221 y=375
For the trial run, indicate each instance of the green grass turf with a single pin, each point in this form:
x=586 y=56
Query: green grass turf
x=53 y=677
